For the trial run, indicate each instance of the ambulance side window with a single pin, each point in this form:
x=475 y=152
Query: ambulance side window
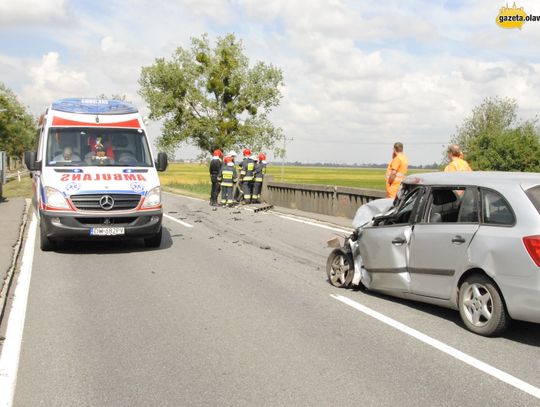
x=39 y=141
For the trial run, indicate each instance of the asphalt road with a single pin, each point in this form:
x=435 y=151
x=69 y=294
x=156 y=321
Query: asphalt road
x=236 y=311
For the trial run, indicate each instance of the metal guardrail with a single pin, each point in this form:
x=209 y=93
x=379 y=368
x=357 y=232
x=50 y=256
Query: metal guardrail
x=322 y=199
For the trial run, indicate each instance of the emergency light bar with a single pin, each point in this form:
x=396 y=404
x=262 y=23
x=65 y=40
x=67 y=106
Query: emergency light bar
x=93 y=106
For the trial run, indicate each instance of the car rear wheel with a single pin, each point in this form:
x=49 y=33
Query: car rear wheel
x=154 y=241
x=481 y=306
x=340 y=269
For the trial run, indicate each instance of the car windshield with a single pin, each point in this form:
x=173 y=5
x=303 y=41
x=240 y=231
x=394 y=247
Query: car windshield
x=83 y=146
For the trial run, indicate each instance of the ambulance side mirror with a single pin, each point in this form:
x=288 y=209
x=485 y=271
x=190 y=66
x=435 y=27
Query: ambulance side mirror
x=30 y=161
x=162 y=162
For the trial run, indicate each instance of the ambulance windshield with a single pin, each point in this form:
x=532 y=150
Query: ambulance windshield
x=83 y=146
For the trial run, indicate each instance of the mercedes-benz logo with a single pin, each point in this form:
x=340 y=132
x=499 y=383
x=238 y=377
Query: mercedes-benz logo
x=106 y=202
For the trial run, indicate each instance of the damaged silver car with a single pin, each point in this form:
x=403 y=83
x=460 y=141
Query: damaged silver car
x=466 y=241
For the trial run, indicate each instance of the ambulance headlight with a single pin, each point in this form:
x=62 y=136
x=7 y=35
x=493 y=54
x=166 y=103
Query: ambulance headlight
x=153 y=198
x=55 y=199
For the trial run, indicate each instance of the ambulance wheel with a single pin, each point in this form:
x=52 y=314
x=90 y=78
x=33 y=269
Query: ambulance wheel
x=45 y=243
x=154 y=241
x=340 y=269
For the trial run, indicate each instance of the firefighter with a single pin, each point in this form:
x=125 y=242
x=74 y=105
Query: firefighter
x=260 y=171
x=215 y=166
x=227 y=177
x=457 y=163
x=247 y=175
x=396 y=171
x=239 y=190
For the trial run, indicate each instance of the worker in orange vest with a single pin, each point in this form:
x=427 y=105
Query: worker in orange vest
x=457 y=163
x=396 y=171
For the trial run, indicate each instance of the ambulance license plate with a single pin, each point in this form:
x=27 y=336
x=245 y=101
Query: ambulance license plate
x=111 y=231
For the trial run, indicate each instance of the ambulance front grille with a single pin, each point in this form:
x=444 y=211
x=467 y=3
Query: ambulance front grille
x=91 y=202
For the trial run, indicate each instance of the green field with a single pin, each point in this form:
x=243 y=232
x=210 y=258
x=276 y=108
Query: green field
x=195 y=179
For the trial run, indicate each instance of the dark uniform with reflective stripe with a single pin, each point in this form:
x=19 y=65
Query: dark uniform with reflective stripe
x=227 y=177
x=215 y=167
x=247 y=175
x=260 y=171
x=238 y=192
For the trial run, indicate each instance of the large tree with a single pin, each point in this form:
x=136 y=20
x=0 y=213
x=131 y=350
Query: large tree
x=212 y=97
x=17 y=126
x=495 y=139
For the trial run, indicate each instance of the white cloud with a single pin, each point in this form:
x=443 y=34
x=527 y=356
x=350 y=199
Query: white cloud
x=355 y=72
x=17 y=12
x=51 y=80
x=218 y=11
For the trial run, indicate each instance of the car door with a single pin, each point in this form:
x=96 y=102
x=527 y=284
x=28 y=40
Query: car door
x=440 y=241
x=385 y=246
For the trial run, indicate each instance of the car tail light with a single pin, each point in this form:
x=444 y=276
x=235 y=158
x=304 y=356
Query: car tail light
x=532 y=244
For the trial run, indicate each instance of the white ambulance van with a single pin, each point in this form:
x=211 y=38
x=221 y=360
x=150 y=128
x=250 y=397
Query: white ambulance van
x=94 y=176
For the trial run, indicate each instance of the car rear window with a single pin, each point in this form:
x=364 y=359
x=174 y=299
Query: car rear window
x=534 y=195
x=496 y=210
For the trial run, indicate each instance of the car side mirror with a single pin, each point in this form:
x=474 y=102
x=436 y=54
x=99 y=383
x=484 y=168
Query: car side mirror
x=162 y=162
x=30 y=161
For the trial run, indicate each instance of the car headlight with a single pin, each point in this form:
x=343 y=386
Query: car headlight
x=55 y=199
x=153 y=198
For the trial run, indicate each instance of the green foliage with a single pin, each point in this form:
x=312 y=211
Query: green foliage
x=494 y=139
x=211 y=97
x=17 y=127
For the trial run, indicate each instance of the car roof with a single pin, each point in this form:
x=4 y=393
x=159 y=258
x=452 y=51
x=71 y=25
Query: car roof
x=490 y=179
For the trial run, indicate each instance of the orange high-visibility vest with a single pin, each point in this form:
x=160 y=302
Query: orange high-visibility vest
x=399 y=163
x=457 y=165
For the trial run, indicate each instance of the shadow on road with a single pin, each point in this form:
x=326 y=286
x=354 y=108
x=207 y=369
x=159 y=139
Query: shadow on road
x=523 y=332
x=112 y=246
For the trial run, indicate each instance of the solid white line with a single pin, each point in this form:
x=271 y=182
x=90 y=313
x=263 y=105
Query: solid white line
x=183 y=196
x=178 y=221
x=471 y=361
x=308 y=222
x=9 y=359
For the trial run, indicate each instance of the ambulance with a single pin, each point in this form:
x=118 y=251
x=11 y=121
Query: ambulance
x=93 y=173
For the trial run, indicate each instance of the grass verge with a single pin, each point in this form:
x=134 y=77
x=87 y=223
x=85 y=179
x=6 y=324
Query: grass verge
x=16 y=189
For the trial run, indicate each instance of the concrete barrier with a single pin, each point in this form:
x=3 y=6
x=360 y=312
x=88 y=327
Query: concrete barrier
x=323 y=199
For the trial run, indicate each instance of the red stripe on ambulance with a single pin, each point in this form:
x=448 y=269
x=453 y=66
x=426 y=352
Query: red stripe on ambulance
x=59 y=121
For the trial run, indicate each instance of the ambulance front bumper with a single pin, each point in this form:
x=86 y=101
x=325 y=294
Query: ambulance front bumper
x=65 y=226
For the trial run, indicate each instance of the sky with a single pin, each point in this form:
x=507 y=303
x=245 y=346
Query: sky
x=358 y=75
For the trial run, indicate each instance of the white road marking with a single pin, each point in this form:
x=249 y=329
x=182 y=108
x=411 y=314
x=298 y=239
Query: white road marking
x=313 y=223
x=11 y=350
x=178 y=221
x=183 y=196
x=471 y=361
